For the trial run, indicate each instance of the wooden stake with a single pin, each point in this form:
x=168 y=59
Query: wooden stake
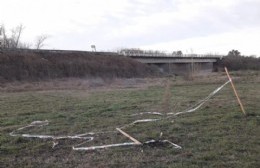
x=234 y=89
x=128 y=136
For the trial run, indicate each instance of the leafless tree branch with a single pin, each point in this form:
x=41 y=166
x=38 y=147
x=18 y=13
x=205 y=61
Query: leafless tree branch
x=39 y=42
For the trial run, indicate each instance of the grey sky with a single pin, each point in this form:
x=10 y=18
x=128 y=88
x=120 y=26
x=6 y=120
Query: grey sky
x=198 y=26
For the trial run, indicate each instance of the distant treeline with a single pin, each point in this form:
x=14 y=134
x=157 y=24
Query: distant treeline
x=237 y=62
x=33 y=65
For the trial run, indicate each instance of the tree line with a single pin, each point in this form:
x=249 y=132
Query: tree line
x=235 y=61
x=12 y=39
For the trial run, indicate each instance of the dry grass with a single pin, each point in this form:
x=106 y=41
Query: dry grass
x=80 y=84
x=217 y=135
x=126 y=83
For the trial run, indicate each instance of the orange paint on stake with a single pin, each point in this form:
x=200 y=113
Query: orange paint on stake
x=234 y=89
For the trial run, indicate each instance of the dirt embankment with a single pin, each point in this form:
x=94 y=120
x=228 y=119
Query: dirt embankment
x=39 y=64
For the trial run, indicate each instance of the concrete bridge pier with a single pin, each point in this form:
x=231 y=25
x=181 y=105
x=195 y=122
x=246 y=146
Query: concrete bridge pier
x=186 y=68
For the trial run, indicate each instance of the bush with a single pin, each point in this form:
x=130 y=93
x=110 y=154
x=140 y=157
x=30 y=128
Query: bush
x=237 y=62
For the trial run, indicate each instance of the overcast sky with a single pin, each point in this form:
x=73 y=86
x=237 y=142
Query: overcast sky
x=193 y=26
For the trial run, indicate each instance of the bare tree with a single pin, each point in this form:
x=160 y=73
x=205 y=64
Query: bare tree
x=17 y=34
x=234 y=53
x=4 y=38
x=179 y=53
x=14 y=40
x=1 y=37
x=39 y=42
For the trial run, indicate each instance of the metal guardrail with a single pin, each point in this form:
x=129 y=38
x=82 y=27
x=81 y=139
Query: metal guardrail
x=174 y=56
x=168 y=55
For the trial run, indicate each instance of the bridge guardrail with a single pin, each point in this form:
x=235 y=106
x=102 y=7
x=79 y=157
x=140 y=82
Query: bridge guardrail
x=168 y=55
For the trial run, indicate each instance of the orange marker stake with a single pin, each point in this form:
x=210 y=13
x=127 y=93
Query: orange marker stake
x=234 y=89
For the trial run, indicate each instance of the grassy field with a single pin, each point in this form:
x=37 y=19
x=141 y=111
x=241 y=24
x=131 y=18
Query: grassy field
x=216 y=135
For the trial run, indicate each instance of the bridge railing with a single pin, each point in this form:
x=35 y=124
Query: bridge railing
x=129 y=54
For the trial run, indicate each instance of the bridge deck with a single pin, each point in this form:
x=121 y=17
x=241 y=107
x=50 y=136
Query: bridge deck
x=174 y=60
x=168 y=59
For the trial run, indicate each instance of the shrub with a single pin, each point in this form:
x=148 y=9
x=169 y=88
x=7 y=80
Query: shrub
x=237 y=62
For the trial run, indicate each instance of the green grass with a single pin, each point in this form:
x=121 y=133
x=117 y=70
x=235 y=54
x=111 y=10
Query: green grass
x=217 y=135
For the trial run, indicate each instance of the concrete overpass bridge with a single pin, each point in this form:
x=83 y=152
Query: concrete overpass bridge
x=179 y=65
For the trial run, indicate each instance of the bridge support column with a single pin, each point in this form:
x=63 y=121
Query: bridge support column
x=186 y=68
